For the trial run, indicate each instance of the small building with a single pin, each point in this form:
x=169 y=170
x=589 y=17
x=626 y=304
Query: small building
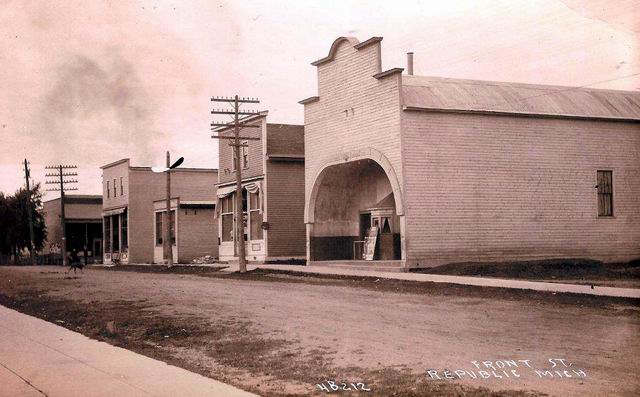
x=451 y=170
x=272 y=193
x=83 y=225
x=134 y=208
x=195 y=233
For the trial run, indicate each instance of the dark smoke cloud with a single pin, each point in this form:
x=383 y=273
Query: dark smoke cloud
x=100 y=107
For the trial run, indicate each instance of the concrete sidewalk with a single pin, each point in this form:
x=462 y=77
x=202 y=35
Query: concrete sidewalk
x=38 y=358
x=464 y=280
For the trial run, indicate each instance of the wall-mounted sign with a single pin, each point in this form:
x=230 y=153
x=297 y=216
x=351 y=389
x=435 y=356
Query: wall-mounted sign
x=370 y=243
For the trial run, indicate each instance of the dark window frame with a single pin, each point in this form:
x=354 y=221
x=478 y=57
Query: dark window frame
x=245 y=154
x=604 y=185
x=159 y=228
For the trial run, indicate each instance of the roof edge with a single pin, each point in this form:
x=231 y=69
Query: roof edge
x=334 y=47
x=386 y=73
x=115 y=163
x=311 y=99
x=373 y=40
x=249 y=119
x=521 y=114
x=185 y=169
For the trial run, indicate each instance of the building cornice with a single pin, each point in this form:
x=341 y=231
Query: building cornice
x=253 y=178
x=115 y=163
x=311 y=99
x=389 y=72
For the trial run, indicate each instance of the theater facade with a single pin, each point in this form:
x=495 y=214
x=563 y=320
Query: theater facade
x=451 y=170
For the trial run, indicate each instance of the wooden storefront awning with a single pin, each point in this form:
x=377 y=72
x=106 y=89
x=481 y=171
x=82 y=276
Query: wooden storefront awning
x=116 y=211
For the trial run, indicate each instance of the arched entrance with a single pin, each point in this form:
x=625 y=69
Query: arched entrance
x=349 y=200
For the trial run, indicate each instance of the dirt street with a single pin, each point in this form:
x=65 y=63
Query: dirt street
x=283 y=334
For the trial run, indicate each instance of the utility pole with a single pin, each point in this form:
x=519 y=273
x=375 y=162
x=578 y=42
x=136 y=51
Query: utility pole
x=168 y=242
x=27 y=175
x=236 y=144
x=61 y=179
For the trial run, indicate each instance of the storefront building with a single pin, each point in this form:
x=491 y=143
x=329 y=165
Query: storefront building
x=83 y=226
x=129 y=206
x=452 y=170
x=272 y=192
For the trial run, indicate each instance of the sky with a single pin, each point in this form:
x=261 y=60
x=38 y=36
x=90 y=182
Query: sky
x=91 y=82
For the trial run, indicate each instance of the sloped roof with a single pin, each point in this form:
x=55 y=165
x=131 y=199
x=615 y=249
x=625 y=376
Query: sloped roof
x=80 y=199
x=437 y=93
x=285 y=140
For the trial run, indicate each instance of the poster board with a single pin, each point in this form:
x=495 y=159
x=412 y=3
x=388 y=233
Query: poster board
x=370 y=243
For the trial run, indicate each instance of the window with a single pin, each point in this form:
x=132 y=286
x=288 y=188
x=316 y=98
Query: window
x=244 y=213
x=226 y=212
x=245 y=154
x=158 y=229
x=124 y=231
x=115 y=229
x=605 y=193
x=108 y=190
x=121 y=187
x=115 y=189
x=107 y=233
x=255 y=216
x=172 y=226
x=233 y=158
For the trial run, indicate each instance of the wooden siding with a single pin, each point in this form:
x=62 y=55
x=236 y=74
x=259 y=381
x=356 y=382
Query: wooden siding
x=255 y=166
x=142 y=188
x=198 y=234
x=482 y=187
x=285 y=198
x=355 y=111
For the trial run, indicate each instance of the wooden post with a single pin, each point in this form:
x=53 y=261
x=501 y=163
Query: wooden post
x=168 y=243
x=242 y=259
x=32 y=246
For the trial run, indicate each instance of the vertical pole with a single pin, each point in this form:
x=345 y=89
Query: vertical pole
x=242 y=260
x=63 y=220
x=86 y=242
x=29 y=209
x=167 y=237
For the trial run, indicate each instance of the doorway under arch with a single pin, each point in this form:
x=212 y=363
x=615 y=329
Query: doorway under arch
x=347 y=200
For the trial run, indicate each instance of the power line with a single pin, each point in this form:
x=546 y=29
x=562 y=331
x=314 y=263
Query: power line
x=236 y=143
x=62 y=180
x=27 y=175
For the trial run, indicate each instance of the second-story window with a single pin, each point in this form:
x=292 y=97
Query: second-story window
x=233 y=158
x=108 y=190
x=121 y=187
x=244 y=149
x=115 y=189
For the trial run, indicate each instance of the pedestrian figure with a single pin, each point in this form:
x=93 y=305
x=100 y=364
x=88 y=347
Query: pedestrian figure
x=74 y=261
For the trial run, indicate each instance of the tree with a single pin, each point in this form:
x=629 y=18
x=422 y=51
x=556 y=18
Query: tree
x=6 y=219
x=14 y=221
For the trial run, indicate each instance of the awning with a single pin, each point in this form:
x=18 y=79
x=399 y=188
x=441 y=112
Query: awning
x=226 y=191
x=114 y=212
x=252 y=187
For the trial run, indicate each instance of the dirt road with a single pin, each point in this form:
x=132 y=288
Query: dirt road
x=279 y=334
